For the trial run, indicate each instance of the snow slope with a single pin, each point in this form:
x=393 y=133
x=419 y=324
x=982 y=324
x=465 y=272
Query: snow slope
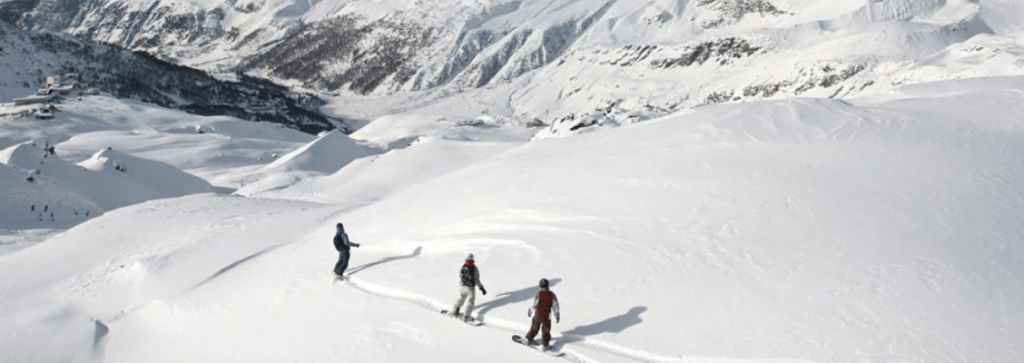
x=331 y=151
x=883 y=229
x=31 y=200
x=213 y=148
x=328 y=153
x=418 y=147
x=106 y=181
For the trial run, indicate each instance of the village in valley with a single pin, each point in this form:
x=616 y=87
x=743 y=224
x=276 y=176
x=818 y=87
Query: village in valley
x=43 y=103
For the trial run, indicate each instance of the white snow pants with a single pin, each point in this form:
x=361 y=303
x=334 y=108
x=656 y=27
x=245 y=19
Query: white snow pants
x=467 y=292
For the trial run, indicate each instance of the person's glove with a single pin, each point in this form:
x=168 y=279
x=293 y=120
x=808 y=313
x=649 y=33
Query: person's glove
x=357 y=245
x=483 y=290
x=557 y=318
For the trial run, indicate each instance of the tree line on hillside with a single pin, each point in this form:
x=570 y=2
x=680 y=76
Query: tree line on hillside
x=138 y=75
x=370 y=54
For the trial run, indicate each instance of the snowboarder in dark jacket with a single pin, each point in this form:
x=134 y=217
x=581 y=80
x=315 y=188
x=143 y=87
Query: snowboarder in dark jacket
x=545 y=303
x=342 y=244
x=469 y=278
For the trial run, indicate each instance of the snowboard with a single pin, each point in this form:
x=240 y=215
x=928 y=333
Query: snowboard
x=552 y=351
x=459 y=317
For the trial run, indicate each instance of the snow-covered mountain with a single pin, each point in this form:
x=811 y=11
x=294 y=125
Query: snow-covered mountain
x=618 y=58
x=28 y=59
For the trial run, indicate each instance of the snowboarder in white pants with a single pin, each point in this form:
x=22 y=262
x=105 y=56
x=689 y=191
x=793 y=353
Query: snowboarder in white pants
x=469 y=278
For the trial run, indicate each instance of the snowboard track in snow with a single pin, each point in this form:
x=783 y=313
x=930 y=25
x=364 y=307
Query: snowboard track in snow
x=571 y=354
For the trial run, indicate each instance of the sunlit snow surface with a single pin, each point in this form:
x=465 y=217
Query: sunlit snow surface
x=873 y=230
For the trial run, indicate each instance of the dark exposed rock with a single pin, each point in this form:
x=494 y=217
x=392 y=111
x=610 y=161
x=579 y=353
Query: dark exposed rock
x=719 y=97
x=734 y=10
x=303 y=56
x=832 y=79
x=634 y=54
x=763 y=90
x=721 y=50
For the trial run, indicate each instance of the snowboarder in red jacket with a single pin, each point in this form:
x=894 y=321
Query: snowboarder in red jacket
x=545 y=303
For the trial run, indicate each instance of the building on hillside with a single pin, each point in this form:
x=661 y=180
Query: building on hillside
x=51 y=93
x=64 y=89
x=92 y=91
x=60 y=84
x=30 y=100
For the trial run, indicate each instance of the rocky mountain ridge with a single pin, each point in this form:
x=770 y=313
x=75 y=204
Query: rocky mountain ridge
x=585 y=54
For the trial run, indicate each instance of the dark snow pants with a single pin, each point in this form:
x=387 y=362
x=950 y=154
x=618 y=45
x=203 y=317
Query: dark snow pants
x=342 y=265
x=544 y=325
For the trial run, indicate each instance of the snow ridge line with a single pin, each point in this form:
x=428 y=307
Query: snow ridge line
x=571 y=354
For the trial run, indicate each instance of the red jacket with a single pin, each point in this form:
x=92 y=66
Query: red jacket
x=544 y=303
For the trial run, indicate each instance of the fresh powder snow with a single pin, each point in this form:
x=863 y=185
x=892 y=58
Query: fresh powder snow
x=883 y=229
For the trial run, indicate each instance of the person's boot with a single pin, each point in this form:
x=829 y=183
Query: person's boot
x=455 y=312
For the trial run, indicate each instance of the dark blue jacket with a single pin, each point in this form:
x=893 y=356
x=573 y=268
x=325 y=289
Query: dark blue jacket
x=341 y=242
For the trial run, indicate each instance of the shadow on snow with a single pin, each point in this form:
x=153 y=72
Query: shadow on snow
x=386 y=260
x=613 y=325
x=513 y=297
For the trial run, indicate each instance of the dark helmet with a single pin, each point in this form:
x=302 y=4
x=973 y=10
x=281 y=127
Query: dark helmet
x=544 y=283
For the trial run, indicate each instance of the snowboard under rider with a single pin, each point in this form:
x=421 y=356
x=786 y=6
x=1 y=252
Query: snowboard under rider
x=469 y=278
x=342 y=244
x=545 y=303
